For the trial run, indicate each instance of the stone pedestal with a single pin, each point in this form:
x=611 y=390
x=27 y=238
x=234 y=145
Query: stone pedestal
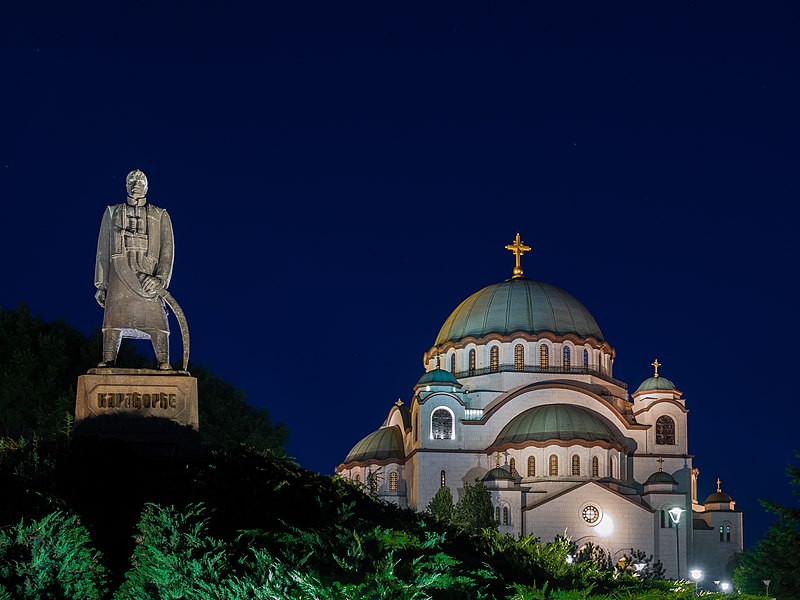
x=137 y=405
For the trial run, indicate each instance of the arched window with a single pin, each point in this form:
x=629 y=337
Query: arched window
x=595 y=467
x=567 y=358
x=612 y=467
x=494 y=359
x=727 y=533
x=586 y=358
x=531 y=466
x=505 y=515
x=472 y=362
x=519 y=357
x=393 y=477
x=553 y=464
x=358 y=478
x=665 y=431
x=497 y=514
x=544 y=356
x=442 y=479
x=576 y=464
x=416 y=426
x=721 y=535
x=513 y=464
x=453 y=362
x=663 y=517
x=442 y=424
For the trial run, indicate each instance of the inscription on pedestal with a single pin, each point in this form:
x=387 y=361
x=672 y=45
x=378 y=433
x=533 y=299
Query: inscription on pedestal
x=137 y=394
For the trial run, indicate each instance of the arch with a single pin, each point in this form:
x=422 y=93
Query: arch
x=442 y=419
x=472 y=367
x=553 y=465
x=513 y=464
x=544 y=356
x=506 y=520
x=497 y=514
x=585 y=358
x=519 y=357
x=665 y=431
x=494 y=359
x=416 y=425
x=357 y=478
x=453 y=362
x=612 y=467
x=566 y=357
x=393 y=479
x=576 y=464
x=442 y=478
x=531 y=466
x=595 y=467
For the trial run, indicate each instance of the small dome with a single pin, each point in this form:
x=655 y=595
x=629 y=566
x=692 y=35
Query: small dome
x=498 y=473
x=555 y=422
x=438 y=377
x=519 y=304
x=387 y=442
x=661 y=477
x=719 y=497
x=656 y=384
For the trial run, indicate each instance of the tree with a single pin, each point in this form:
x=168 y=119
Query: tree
x=441 y=505
x=474 y=511
x=777 y=555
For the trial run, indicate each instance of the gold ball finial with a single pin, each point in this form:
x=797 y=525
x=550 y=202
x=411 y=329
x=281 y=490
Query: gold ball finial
x=660 y=462
x=719 y=483
x=518 y=248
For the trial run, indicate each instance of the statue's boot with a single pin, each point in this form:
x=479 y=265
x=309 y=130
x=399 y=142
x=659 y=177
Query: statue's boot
x=160 y=340
x=112 y=338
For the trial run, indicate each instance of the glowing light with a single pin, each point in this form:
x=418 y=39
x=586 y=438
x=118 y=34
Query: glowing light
x=696 y=574
x=725 y=586
x=605 y=527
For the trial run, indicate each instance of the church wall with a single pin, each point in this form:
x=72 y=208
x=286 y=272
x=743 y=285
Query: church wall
x=459 y=467
x=710 y=554
x=623 y=525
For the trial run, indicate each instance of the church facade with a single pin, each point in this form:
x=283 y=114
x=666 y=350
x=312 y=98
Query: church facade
x=519 y=392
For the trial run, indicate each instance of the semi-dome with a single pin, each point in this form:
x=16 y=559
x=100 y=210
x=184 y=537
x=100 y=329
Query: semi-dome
x=519 y=304
x=497 y=474
x=563 y=422
x=385 y=443
x=438 y=377
x=656 y=384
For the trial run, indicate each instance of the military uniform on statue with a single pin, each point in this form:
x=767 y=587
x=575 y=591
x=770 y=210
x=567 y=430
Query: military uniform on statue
x=133 y=269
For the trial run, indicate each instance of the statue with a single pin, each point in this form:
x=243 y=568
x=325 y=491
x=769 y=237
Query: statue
x=133 y=268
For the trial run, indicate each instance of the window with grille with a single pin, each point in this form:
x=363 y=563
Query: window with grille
x=544 y=356
x=505 y=515
x=595 y=467
x=472 y=362
x=442 y=424
x=453 y=362
x=567 y=357
x=497 y=514
x=585 y=358
x=519 y=357
x=442 y=479
x=494 y=359
x=665 y=431
x=576 y=464
x=553 y=464
x=531 y=466
x=393 y=478
x=513 y=464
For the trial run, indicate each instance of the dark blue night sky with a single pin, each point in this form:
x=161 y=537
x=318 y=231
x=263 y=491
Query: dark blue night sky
x=340 y=176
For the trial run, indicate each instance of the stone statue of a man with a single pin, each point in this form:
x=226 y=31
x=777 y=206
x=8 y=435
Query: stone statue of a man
x=134 y=262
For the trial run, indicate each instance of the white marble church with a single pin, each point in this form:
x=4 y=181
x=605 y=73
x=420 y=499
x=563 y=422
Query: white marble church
x=519 y=392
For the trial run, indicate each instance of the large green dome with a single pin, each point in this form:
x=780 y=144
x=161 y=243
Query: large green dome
x=563 y=422
x=385 y=443
x=519 y=304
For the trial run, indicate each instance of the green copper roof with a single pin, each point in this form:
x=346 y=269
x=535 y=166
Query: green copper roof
x=519 y=305
x=387 y=442
x=656 y=383
x=438 y=377
x=498 y=473
x=719 y=497
x=661 y=477
x=555 y=422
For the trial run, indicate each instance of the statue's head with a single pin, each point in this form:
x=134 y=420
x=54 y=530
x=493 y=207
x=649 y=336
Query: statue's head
x=136 y=183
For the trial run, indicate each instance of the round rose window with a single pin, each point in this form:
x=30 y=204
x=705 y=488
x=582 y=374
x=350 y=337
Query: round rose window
x=591 y=514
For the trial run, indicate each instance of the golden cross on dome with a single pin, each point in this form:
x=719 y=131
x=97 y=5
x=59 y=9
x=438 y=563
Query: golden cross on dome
x=718 y=484
x=518 y=248
x=496 y=459
x=660 y=462
x=656 y=364
x=399 y=402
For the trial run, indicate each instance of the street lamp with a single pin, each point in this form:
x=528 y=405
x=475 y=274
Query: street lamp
x=675 y=515
x=696 y=575
x=766 y=583
x=639 y=566
x=725 y=586
x=570 y=559
x=716 y=584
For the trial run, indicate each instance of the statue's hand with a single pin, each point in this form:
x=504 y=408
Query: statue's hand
x=100 y=296
x=151 y=283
